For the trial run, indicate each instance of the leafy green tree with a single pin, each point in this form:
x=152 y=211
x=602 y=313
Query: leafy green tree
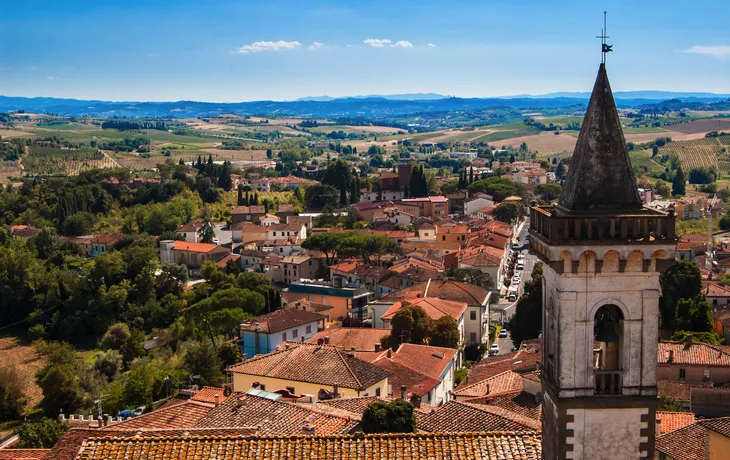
x=42 y=434
x=317 y=196
x=508 y=211
x=207 y=232
x=527 y=321
x=202 y=359
x=549 y=192
x=410 y=324
x=115 y=337
x=108 y=364
x=12 y=393
x=500 y=188
x=697 y=337
x=61 y=391
x=680 y=281
x=678 y=183
x=138 y=386
x=396 y=416
x=694 y=314
x=444 y=333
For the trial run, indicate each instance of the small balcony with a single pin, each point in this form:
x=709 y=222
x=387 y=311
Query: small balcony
x=608 y=382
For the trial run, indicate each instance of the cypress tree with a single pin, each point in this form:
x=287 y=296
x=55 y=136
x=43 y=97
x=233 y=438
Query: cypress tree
x=200 y=163
x=471 y=175
x=248 y=200
x=239 y=202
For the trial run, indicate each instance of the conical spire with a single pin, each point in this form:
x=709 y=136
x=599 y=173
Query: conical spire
x=600 y=176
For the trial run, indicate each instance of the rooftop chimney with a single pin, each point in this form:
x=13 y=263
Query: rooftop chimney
x=403 y=392
x=671 y=356
x=688 y=341
x=217 y=399
x=378 y=347
x=336 y=390
x=326 y=340
x=487 y=389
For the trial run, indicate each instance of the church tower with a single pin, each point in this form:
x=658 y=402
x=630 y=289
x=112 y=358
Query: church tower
x=602 y=254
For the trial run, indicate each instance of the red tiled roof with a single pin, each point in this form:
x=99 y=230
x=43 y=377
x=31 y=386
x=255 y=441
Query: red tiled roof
x=527 y=357
x=671 y=421
x=716 y=290
x=192 y=226
x=23 y=454
x=686 y=443
x=274 y=417
x=193 y=247
x=678 y=390
x=434 y=307
x=719 y=425
x=460 y=416
x=224 y=261
x=359 y=338
x=279 y=320
x=500 y=383
x=306 y=362
x=697 y=353
x=414 y=381
x=183 y=415
x=208 y=395
x=418 y=446
x=452 y=290
x=248 y=210
x=428 y=360
x=519 y=402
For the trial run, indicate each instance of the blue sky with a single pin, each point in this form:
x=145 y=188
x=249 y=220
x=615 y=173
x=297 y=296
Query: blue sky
x=245 y=50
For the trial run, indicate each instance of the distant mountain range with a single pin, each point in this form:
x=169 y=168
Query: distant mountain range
x=373 y=106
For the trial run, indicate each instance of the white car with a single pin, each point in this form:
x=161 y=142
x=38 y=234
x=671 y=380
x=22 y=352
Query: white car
x=494 y=349
x=502 y=333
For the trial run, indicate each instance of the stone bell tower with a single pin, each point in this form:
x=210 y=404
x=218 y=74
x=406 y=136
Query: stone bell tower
x=602 y=254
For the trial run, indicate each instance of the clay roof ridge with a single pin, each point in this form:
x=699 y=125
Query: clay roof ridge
x=347 y=366
x=488 y=378
x=505 y=413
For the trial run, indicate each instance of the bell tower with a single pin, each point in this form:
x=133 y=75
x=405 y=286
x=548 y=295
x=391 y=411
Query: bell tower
x=602 y=254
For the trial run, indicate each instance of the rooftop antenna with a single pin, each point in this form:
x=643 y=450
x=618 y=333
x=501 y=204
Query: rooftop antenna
x=605 y=48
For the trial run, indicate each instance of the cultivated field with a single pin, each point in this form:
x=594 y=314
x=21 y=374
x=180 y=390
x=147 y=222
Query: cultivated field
x=26 y=360
x=546 y=142
x=699 y=153
x=638 y=138
x=356 y=129
x=55 y=161
x=701 y=126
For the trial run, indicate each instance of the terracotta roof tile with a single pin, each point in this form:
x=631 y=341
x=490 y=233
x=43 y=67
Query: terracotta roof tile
x=274 y=417
x=686 y=443
x=284 y=318
x=248 y=210
x=671 y=421
x=719 y=425
x=194 y=247
x=22 y=454
x=500 y=383
x=183 y=415
x=696 y=353
x=434 y=307
x=527 y=357
x=360 y=338
x=519 y=402
x=208 y=395
x=678 y=390
x=459 y=416
x=452 y=290
x=420 y=446
x=306 y=362
x=192 y=226
x=401 y=375
x=428 y=360
x=346 y=267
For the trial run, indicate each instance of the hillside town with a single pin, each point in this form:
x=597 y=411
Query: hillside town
x=393 y=281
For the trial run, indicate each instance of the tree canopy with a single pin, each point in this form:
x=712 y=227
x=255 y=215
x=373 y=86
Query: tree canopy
x=396 y=416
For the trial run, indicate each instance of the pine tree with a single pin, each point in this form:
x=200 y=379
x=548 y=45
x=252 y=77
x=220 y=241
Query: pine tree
x=679 y=182
x=200 y=163
x=471 y=175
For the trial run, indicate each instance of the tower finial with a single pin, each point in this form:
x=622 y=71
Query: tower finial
x=605 y=47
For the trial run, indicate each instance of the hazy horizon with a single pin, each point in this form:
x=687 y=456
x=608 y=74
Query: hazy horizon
x=231 y=51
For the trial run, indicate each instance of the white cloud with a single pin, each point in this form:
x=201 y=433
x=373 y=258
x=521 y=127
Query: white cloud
x=431 y=45
x=258 y=47
x=720 y=52
x=402 y=44
x=33 y=69
x=53 y=78
x=315 y=46
x=377 y=42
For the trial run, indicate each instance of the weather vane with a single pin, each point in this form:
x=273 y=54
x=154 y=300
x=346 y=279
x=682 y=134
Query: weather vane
x=605 y=47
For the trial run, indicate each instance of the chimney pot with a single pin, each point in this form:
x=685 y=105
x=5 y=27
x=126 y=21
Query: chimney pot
x=671 y=356
x=217 y=400
x=403 y=392
x=326 y=340
x=487 y=388
x=378 y=347
x=688 y=340
x=336 y=390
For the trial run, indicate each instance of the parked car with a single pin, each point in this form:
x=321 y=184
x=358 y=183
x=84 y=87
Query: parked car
x=494 y=347
x=503 y=333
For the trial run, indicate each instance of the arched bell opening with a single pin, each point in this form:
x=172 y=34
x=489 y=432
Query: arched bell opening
x=608 y=337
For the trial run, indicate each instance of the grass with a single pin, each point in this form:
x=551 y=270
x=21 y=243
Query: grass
x=695 y=226
x=647 y=130
x=641 y=160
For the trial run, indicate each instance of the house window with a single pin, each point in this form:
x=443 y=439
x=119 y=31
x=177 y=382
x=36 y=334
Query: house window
x=443 y=238
x=473 y=337
x=283 y=337
x=274 y=233
x=473 y=315
x=310 y=263
x=281 y=249
x=377 y=392
x=262 y=387
x=683 y=373
x=295 y=333
x=707 y=373
x=290 y=390
x=309 y=329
